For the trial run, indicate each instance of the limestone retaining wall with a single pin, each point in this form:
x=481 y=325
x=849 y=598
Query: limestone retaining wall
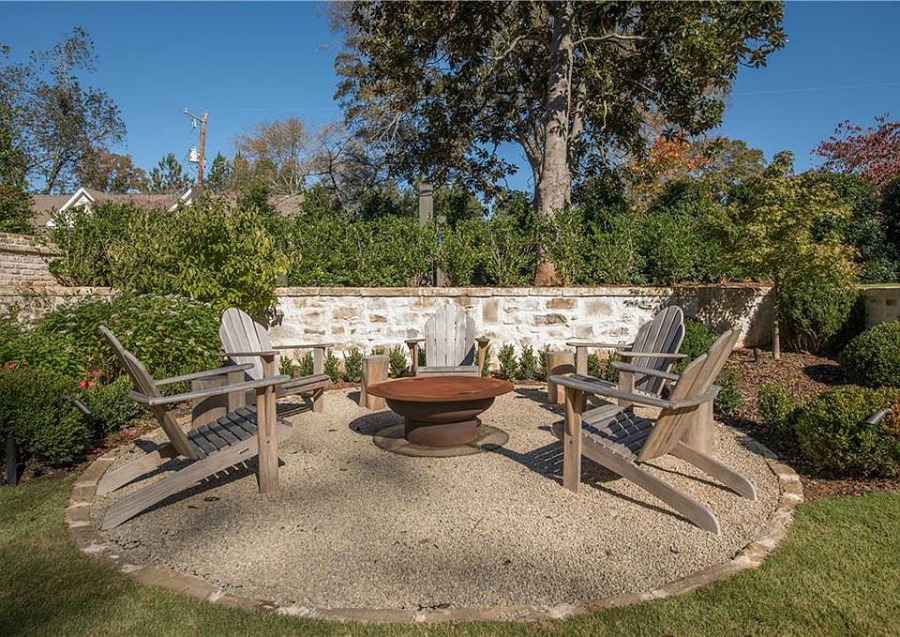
x=375 y=317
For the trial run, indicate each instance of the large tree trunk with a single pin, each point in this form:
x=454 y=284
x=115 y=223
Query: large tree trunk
x=554 y=190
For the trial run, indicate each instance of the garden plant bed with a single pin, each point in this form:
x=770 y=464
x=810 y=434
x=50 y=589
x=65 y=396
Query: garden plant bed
x=805 y=375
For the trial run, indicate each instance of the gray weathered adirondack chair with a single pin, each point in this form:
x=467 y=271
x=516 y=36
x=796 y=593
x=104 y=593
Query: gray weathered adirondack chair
x=655 y=347
x=449 y=344
x=620 y=440
x=232 y=439
x=247 y=342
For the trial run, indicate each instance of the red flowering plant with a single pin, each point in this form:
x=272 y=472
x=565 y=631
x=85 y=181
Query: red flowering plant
x=89 y=379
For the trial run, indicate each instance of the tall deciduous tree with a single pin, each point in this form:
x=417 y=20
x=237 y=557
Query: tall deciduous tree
x=441 y=85
x=169 y=177
x=110 y=172
x=873 y=153
x=56 y=120
x=280 y=151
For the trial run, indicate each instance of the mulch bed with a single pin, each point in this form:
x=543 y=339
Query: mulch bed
x=806 y=375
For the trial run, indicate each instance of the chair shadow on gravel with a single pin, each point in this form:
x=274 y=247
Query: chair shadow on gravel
x=548 y=462
x=539 y=396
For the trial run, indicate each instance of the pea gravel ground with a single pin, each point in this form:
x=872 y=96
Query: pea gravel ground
x=355 y=526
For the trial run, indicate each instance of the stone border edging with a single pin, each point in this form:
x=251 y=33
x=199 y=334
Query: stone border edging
x=90 y=542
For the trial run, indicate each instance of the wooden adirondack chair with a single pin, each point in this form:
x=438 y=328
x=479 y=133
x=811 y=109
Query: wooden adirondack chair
x=247 y=342
x=232 y=439
x=449 y=345
x=655 y=347
x=620 y=440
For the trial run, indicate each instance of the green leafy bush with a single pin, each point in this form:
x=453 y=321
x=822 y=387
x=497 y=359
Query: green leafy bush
x=540 y=370
x=832 y=432
x=353 y=360
x=332 y=367
x=285 y=365
x=873 y=357
x=486 y=367
x=111 y=407
x=507 y=359
x=169 y=335
x=527 y=363
x=594 y=368
x=305 y=368
x=815 y=308
x=729 y=397
x=85 y=237
x=397 y=362
x=461 y=254
x=45 y=426
x=779 y=408
x=698 y=338
x=613 y=256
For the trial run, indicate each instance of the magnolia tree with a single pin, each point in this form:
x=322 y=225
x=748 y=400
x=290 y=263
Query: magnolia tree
x=440 y=86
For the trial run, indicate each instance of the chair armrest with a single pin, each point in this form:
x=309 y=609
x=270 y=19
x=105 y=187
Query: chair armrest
x=413 y=341
x=152 y=401
x=305 y=346
x=629 y=354
x=205 y=374
x=592 y=344
x=482 y=341
x=591 y=385
x=878 y=416
x=270 y=352
x=627 y=367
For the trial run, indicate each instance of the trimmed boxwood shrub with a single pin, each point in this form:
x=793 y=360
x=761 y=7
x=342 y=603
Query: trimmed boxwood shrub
x=778 y=407
x=832 y=432
x=46 y=427
x=873 y=357
x=111 y=406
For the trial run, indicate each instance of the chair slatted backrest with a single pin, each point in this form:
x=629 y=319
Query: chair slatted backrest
x=143 y=383
x=240 y=333
x=663 y=334
x=696 y=379
x=449 y=338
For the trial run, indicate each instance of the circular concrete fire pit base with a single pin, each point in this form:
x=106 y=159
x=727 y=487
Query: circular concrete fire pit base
x=487 y=438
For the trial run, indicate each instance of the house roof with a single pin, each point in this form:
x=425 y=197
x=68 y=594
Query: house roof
x=45 y=206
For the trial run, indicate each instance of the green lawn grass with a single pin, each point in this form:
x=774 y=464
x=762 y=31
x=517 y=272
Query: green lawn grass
x=837 y=573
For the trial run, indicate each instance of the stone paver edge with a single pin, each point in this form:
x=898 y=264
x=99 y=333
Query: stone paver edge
x=90 y=542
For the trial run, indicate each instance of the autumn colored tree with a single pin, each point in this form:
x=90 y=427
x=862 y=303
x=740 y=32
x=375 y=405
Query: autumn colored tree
x=440 y=86
x=110 y=172
x=873 y=152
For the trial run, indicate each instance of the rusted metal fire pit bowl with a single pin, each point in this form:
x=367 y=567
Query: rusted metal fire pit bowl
x=441 y=411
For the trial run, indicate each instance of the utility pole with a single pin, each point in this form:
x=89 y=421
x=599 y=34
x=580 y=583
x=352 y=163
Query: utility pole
x=202 y=160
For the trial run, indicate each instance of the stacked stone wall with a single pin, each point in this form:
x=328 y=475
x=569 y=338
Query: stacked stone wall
x=24 y=260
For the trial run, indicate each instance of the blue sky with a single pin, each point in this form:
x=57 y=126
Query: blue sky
x=248 y=63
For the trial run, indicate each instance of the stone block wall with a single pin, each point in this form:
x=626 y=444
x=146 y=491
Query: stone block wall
x=24 y=260
x=882 y=303
x=378 y=317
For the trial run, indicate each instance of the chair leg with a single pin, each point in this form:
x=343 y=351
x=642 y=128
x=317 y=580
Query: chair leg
x=129 y=506
x=694 y=511
x=572 y=439
x=136 y=468
x=318 y=400
x=712 y=467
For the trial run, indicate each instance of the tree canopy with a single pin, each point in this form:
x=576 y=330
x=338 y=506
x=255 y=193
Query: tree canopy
x=873 y=153
x=110 y=172
x=442 y=98
x=56 y=120
x=441 y=85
